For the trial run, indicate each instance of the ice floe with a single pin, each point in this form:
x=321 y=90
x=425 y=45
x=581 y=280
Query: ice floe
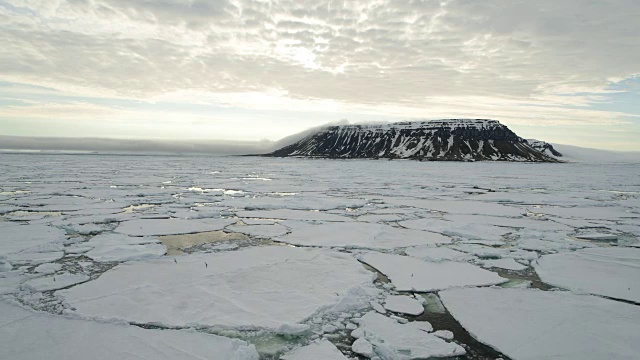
x=403 y=304
x=26 y=334
x=54 y=282
x=393 y=340
x=437 y=254
x=260 y=287
x=320 y=350
x=412 y=274
x=357 y=235
x=287 y=214
x=612 y=272
x=535 y=324
x=151 y=227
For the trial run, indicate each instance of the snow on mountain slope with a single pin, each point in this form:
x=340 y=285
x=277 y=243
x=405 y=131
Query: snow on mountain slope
x=451 y=140
x=544 y=147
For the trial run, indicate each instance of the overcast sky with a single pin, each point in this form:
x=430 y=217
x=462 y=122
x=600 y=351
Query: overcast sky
x=242 y=70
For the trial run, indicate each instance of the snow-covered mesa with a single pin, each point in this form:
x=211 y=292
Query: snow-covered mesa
x=246 y=258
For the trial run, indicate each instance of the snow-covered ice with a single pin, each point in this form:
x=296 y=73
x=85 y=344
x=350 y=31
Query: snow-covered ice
x=403 y=304
x=393 y=340
x=612 y=272
x=121 y=224
x=320 y=350
x=411 y=274
x=358 y=235
x=25 y=334
x=259 y=287
x=437 y=254
x=150 y=227
x=534 y=324
x=508 y=264
x=54 y=282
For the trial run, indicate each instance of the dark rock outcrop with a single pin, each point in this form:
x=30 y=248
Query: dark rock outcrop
x=448 y=140
x=544 y=147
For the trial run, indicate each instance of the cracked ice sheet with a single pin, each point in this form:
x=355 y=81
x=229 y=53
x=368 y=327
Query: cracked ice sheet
x=460 y=207
x=55 y=282
x=403 y=304
x=533 y=324
x=262 y=231
x=411 y=274
x=294 y=203
x=467 y=231
x=120 y=247
x=270 y=288
x=598 y=213
x=357 y=235
x=15 y=238
x=287 y=214
x=25 y=334
x=150 y=227
x=437 y=254
x=392 y=340
x=321 y=350
x=612 y=272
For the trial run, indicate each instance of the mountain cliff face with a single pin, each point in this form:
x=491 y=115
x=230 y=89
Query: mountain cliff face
x=544 y=147
x=448 y=140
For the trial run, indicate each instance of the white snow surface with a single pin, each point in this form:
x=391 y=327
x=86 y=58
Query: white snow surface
x=392 y=340
x=533 y=324
x=612 y=272
x=320 y=350
x=411 y=274
x=150 y=227
x=358 y=235
x=27 y=238
x=54 y=282
x=29 y=335
x=403 y=304
x=259 y=287
x=437 y=254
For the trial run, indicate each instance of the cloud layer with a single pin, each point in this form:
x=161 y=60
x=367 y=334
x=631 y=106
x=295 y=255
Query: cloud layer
x=544 y=62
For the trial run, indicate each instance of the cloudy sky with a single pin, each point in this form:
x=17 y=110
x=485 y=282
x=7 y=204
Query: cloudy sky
x=565 y=71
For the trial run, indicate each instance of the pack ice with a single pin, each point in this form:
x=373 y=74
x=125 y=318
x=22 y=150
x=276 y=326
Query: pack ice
x=534 y=324
x=274 y=288
x=25 y=334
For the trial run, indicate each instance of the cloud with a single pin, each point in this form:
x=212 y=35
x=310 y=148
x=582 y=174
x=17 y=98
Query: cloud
x=546 y=61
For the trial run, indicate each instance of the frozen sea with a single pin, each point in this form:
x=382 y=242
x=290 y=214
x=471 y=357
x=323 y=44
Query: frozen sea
x=203 y=257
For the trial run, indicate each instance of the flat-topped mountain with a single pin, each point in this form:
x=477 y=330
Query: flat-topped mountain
x=446 y=140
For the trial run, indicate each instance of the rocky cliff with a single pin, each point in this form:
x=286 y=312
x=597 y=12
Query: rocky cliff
x=447 y=140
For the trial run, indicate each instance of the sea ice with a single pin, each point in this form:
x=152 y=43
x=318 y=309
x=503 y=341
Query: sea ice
x=467 y=231
x=120 y=247
x=150 y=227
x=48 y=268
x=320 y=350
x=461 y=207
x=437 y=254
x=28 y=238
x=261 y=231
x=54 y=282
x=392 y=340
x=612 y=272
x=287 y=214
x=403 y=304
x=358 y=235
x=411 y=274
x=507 y=264
x=25 y=334
x=258 y=287
x=535 y=324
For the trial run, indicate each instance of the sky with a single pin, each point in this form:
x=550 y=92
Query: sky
x=563 y=71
